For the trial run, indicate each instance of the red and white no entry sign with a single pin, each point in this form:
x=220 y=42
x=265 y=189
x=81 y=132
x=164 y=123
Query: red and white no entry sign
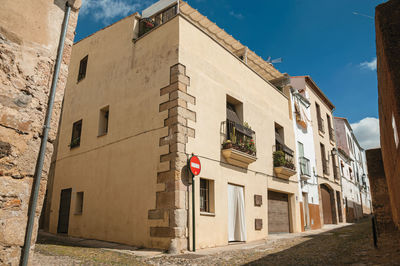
x=194 y=165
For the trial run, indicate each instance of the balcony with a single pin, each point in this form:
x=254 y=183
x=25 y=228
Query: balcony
x=321 y=126
x=238 y=146
x=283 y=161
x=325 y=166
x=305 y=173
x=148 y=24
x=332 y=134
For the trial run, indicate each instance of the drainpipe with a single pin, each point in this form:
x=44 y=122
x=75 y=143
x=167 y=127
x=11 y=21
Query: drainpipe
x=46 y=129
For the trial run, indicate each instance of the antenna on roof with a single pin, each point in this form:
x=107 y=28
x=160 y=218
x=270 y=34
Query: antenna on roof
x=277 y=60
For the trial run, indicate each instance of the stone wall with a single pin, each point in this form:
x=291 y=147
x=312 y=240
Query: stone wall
x=387 y=24
x=26 y=66
x=172 y=201
x=379 y=190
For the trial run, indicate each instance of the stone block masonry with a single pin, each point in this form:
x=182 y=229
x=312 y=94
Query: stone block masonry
x=172 y=201
x=26 y=69
x=387 y=26
x=379 y=190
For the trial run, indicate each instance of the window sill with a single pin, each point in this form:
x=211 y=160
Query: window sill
x=73 y=147
x=321 y=133
x=78 y=213
x=101 y=135
x=211 y=214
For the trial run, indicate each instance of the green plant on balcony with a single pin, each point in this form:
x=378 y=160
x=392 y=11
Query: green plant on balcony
x=280 y=160
x=240 y=142
x=75 y=142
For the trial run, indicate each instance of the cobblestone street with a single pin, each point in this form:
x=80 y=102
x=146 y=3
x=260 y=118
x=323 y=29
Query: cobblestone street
x=333 y=245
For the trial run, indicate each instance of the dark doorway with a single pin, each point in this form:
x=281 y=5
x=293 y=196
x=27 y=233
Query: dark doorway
x=339 y=206
x=63 y=213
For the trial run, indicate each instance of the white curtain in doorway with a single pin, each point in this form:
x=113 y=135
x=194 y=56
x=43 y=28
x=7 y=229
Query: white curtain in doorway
x=236 y=218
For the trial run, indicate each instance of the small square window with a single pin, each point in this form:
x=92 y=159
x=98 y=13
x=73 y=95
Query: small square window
x=82 y=68
x=79 y=203
x=206 y=195
x=103 y=121
x=76 y=134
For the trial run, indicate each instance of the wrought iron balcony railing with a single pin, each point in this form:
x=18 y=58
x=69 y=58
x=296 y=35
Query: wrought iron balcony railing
x=332 y=134
x=325 y=166
x=148 y=24
x=287 y=160
x=239 y=137
x=304 y=166
x=321 y=126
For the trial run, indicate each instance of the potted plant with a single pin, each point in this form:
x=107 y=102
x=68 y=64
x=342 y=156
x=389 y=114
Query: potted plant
x=279 y=158
x=227 y=144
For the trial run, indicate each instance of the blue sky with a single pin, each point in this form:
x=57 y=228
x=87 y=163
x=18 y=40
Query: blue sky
x=323 y=39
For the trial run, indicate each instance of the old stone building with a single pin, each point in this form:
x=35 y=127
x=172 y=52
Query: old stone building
x=387 y=26
x=29 y=38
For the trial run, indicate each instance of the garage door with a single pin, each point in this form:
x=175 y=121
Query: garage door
x=278 y=213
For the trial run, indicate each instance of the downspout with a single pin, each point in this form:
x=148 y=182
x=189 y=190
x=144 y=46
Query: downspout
x=43 y=144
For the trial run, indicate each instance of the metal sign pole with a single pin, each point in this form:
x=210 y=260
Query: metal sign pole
x=193 y=215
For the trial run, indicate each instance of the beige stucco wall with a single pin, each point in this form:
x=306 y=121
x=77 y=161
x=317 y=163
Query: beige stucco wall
x=117 y=172
x=323 y=138
x=215 y=73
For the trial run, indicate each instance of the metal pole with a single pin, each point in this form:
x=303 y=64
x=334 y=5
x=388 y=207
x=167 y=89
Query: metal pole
x=193 y=215
x=46 y=129
x=374 y=231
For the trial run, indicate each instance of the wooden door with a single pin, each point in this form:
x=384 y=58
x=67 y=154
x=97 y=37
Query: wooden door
x=326 y=205
x=63 y=212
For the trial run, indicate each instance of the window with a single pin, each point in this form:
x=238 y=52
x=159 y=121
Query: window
x=350 y=144
x=330 y=129
x=395 y=134
x=319 y=119
x=79 y=203
x=76 y=134
x=82 y=68
x=334 y=166
x=103 y=121
x=324 y=161
x=342 y=168
x=206 y=195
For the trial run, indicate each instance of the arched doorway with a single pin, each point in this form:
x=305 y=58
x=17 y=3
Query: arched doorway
x=328 y=204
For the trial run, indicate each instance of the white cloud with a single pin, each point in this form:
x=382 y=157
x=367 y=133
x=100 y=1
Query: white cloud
x=105 y=10
x=367 y=132
x=236 y=15
x=369 y=65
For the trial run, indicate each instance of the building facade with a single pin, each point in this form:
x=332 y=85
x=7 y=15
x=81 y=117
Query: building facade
x=387 y=27
x=353 y=172
x=29 y=37
x=329 y=187
x=143 y=95
x=306 y=160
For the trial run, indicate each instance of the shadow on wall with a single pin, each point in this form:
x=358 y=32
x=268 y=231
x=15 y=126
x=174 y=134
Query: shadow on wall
x=336 y=247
